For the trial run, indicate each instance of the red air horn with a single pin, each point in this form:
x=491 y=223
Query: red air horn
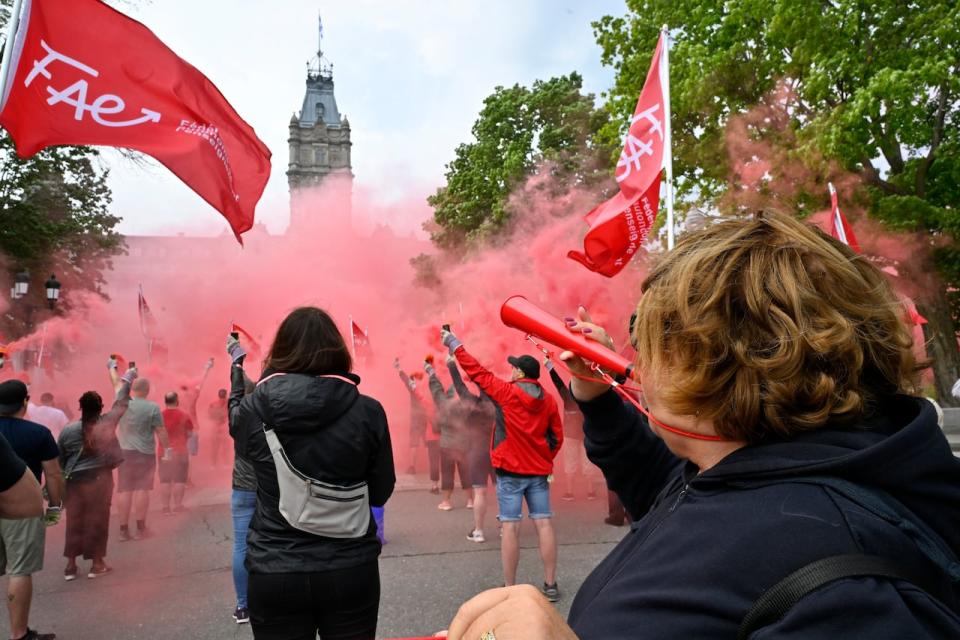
x=519 y=313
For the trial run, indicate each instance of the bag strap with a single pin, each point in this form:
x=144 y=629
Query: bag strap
x=781 y=597
x=76 y=460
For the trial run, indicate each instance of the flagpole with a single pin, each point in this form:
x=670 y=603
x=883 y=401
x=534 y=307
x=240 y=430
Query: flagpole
x=353 y=340
x=8 y=47
x=667 y=136
x=43 y=344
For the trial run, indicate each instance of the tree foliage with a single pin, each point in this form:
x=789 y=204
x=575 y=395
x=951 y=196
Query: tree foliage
x=54 y=214
x=873 y=90
x=519 y=132
x=54 y=217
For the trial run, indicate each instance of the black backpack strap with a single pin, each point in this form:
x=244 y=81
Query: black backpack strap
x=781 y=597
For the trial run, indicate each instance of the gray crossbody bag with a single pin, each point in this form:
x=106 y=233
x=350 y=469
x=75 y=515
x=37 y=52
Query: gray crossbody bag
x=318 y=507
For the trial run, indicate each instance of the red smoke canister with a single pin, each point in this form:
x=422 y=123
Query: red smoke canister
x=519 y=313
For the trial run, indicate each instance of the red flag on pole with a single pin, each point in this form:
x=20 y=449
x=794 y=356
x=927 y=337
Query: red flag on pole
x=82 y=73
x=619 y=225
x=251 y=342
x=839 y=227
x=361 y=341
x=148 y=324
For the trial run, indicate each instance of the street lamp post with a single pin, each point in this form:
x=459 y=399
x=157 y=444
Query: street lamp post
x=21 y=284
x=53 y=290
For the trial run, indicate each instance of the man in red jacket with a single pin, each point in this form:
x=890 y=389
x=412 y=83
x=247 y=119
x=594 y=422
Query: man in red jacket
x=526 y=439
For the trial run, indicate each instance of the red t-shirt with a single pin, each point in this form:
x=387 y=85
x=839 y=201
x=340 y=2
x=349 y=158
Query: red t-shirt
x=179 y=426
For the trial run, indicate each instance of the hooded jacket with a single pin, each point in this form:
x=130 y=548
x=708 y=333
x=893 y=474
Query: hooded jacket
x=481 y=412
x=330 y=432
x=451 y=415
x=528 y=432
x=706 y=546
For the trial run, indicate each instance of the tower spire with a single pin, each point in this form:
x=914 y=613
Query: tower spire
x=320 y=40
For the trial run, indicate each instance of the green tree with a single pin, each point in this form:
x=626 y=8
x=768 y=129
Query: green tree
x=866 y=89
x=520 y=132
x=54 y=217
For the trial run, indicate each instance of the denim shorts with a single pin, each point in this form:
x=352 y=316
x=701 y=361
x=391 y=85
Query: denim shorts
x=512 y=491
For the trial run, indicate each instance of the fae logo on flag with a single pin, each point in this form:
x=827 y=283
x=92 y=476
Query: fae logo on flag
x=634 y=148
x=76 y=94
x=619 y=225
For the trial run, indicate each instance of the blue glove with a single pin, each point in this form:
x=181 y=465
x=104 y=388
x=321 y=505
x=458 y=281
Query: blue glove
x=429 y=369
x=548 y=363
x=235 y=350
x=112 y=363
x=129 y=376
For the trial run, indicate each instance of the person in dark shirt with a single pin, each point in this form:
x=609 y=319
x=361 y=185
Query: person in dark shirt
x=22 y=541
x=20 y=495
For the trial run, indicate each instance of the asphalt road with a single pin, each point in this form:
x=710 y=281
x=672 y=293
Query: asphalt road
x=177 y=584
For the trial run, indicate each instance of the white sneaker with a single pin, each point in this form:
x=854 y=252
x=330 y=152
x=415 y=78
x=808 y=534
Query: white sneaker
x=476 y=536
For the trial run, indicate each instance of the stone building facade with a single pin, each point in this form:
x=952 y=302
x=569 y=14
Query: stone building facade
x=319 y=136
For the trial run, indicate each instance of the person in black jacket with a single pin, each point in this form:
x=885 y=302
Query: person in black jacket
x=451 y=417
x=302 y=583
x=481 y=414
x=780 y=429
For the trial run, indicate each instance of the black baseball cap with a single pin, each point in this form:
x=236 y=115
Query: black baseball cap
x=13 y=393
x=527 y=364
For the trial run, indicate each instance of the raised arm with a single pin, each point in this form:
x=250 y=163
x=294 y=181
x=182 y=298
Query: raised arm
x=437 y=391
x=635 y=462
x=458 y=384
x=120 y=403
x=565 y=396
x=404 y=377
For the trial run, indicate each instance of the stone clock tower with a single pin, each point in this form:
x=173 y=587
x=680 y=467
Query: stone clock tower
x=319 y=138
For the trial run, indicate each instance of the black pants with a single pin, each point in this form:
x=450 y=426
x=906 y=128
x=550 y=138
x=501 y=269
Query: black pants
x=339 y=605
x=87 y=507
x=433 y=454
x=451 y=459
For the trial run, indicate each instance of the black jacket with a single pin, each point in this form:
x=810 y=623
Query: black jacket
x=481 y=411
x=330 y=432
x=706 y=546
x=451 y=415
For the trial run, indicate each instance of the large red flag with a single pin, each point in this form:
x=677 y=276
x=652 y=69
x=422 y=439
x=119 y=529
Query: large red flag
x=619 y=225
x=85 y=74
x=839 y=227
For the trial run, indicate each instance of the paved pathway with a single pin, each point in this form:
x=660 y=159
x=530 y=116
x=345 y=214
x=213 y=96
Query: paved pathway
x=178 y=583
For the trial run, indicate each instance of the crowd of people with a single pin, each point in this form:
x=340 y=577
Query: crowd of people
x=782 y=476
x=89 y=466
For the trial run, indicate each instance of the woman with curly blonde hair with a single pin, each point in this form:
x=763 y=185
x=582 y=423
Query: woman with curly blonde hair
x=780 y=432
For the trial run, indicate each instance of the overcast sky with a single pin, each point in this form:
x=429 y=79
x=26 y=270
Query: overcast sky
x=411 y=76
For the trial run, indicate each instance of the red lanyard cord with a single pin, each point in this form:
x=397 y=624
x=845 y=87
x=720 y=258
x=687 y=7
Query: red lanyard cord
x=624 y=392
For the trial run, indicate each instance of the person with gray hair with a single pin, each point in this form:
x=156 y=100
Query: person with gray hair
x=139 y=427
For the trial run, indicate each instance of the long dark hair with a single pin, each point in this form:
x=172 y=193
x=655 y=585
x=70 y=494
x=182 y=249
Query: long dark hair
x=91 y=407
x=308 y=341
